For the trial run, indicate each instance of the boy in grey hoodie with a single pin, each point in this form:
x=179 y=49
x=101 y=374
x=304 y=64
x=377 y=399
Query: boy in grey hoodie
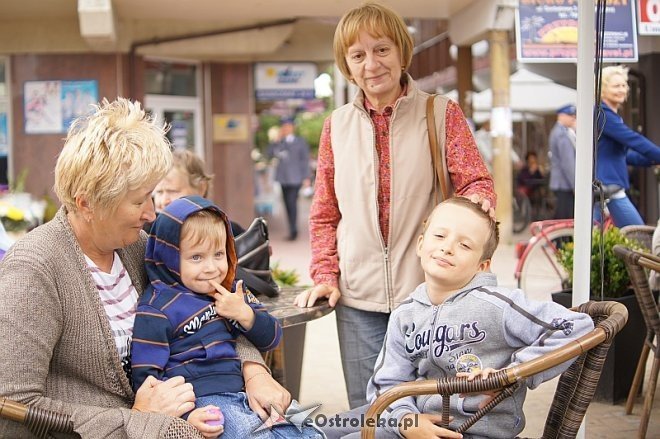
x=460 y=323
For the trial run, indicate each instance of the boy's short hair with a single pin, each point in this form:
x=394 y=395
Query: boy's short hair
x=493 y=226
x=205 y=225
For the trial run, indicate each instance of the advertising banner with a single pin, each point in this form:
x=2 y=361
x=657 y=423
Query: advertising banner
x=274 y=81
x=649 y=17
x=547 y=31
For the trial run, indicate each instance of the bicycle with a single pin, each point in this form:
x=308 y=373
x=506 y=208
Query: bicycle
x=538 y=272
x=522 y=211
x=533 y=203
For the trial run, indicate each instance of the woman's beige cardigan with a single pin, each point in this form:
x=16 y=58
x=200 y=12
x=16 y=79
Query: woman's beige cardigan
x=56 y=347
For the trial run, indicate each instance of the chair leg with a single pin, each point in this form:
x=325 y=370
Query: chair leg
x=637 y=380
x=648 y=399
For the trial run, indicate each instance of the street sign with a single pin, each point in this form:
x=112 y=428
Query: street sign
x=649 y=17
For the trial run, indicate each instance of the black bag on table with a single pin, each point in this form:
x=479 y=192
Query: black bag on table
x=253 y=253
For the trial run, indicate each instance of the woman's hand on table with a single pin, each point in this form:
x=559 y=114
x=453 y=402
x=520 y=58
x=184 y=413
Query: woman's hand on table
x=308 y=297
x=263 y=391
x=173 y=397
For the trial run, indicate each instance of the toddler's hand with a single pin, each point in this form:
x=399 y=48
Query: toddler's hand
x=232 y=305
x=202 y=419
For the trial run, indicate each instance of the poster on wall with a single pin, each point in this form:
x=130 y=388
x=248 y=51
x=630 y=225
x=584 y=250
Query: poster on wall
x=230 y=127
x=547 y=31
x=51 y=106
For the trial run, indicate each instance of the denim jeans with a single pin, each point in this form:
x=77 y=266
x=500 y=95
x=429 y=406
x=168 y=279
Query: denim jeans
x=622 y=210
x=241 y=421
x=361 y=335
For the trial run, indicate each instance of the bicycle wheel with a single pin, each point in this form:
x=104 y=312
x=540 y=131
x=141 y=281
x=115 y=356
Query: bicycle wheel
x=541 y=274
x=522 y=211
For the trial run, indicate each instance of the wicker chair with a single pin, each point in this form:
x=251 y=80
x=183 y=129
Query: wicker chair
x=641 y=234
x=636 y=263
x=574 y=390
x=40 y=422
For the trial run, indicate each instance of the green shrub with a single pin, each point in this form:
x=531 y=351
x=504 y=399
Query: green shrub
x=285 y=278
x=617 y=282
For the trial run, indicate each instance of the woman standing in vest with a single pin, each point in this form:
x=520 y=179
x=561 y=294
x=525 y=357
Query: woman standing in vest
x=375 y=185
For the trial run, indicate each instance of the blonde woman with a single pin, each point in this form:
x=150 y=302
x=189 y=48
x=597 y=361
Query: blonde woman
x=70 y=289
x=618 y=147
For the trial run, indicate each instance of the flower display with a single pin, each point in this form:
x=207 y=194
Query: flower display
x=13 y=218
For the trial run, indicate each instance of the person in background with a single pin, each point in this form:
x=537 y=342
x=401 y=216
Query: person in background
x=618 y=147
x=375 y=185
x=530 y=177
x=77 y=280
x=293 y=172
x=562 y=161
x=187 y=177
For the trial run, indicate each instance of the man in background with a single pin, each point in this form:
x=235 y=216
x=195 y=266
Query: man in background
x=292 y=157
x=562 y=161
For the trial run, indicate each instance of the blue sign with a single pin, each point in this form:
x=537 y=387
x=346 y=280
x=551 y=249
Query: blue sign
x=275 y=81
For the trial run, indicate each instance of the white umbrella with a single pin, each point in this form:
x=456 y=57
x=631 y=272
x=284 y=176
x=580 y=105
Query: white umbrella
x=530 y=92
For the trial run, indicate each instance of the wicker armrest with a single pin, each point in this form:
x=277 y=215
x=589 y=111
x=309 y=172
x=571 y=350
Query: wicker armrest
x=39 y=421
x=609 y=318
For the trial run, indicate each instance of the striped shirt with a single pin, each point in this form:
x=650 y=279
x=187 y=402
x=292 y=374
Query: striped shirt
x=119 y=299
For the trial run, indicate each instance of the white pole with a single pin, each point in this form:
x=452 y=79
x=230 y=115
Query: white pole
x=584 y=155
x=339 y=92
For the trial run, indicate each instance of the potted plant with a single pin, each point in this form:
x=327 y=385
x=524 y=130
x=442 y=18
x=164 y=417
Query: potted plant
x=619 y=368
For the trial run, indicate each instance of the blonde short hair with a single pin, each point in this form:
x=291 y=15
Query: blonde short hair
x=378 y=21
x=208 y=226
x=608 y=72
x=116 y=148
x=192 y=165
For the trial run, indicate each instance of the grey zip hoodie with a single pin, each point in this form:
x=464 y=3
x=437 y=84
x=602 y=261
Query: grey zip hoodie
x=480 y=326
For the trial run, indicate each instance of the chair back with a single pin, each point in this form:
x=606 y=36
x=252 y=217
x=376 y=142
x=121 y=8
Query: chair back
x=642 y=234
x=577 y=384
x=636 y=262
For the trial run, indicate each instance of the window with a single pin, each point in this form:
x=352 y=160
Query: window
x=174 y=79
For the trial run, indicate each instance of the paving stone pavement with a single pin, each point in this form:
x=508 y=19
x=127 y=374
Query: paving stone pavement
x=322 y=376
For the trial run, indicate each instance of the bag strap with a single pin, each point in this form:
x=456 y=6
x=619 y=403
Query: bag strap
x=437 y=150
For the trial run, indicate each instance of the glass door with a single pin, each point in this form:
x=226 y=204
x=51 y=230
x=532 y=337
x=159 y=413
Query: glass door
x=184 y=116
